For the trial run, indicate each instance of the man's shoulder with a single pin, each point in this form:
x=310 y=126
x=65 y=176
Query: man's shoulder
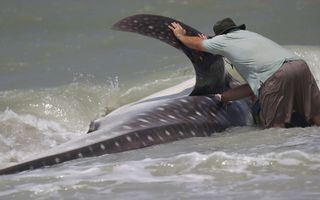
x=245 y=32
x=250 y=35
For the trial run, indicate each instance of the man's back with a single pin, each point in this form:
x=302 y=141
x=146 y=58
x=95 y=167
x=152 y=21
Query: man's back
x=255 y=57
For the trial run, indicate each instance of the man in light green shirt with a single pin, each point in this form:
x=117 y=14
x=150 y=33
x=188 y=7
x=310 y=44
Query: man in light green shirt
x=255 y=57
x=268 y=69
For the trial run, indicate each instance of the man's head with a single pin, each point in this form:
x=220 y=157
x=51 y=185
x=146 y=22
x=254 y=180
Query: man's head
x=225 y=25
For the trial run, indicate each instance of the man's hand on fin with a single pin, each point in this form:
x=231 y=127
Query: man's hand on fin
x=202 y=36
x=193 y=42
x=177 y=29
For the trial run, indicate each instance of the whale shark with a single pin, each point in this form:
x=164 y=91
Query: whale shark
x=186 y=110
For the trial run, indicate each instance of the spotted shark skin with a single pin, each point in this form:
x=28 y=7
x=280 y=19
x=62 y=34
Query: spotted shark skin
x=192 y=112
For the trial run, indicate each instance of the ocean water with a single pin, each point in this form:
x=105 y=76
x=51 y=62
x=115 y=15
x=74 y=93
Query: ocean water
x=61 y=67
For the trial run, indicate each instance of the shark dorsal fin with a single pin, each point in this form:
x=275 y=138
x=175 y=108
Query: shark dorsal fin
x=209 y=68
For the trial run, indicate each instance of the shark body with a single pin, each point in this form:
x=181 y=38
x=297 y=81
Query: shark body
x=184 y=111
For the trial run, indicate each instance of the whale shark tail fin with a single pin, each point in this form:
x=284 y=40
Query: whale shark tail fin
x=209 y=68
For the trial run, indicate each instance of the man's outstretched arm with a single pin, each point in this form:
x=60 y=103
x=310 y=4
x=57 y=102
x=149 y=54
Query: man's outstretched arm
x=236 y=93
x=193 y=42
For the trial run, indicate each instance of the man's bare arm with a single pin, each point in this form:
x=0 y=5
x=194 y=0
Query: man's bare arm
x=236 y=93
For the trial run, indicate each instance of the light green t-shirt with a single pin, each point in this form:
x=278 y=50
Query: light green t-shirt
x=255 y=57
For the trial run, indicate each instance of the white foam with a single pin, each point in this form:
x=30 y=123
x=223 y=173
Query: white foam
x=22 y=135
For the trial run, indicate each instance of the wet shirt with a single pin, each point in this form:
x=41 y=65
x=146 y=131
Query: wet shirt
x=255 y=57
